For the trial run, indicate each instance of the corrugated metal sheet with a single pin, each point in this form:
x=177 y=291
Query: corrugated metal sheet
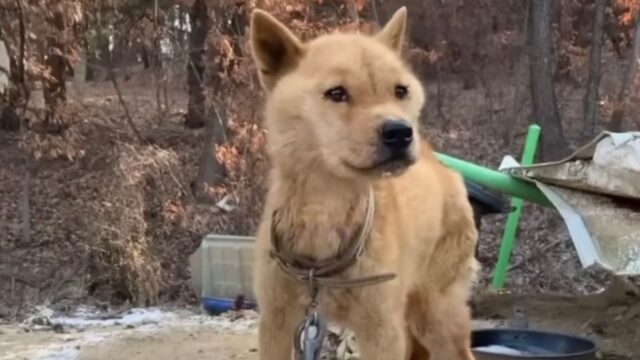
x=597 y=192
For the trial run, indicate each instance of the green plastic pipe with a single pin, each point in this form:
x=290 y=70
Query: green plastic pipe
x=495 y=180
x=511 y=227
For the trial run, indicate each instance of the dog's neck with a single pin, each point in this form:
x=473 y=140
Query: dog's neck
x=318 y=211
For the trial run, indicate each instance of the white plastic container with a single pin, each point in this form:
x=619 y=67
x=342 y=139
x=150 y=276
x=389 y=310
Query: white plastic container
x=222 y=267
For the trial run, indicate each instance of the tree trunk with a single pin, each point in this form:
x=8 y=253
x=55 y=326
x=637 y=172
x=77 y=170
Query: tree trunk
x=100 y=57
x=9 y=119
x=200 y=24
x=182 y=26
x=145 y=56
x=210 y=171
x=25 y=204
x=352 y=9
x=617 y=117
x=5 y=66
x=54 y=85
x=595 y=73
x=545 y=108
x=519 y=69
x=158 y=73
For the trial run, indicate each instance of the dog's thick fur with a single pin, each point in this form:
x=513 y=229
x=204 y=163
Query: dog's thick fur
x=325 y=157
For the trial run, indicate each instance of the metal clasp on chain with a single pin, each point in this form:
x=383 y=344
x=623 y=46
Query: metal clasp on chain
x=310 y=334
x=309 y=337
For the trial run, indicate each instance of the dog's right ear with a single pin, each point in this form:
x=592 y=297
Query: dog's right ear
x=393 y=32
x=275 y=49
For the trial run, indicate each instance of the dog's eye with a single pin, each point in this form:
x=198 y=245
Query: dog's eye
x=401 y=91
x=337 y=94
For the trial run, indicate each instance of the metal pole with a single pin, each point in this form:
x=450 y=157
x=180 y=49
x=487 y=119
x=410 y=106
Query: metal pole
x=511 y=227
x=495 y=180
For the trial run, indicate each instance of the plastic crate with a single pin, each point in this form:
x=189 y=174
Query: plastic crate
x=222 y=267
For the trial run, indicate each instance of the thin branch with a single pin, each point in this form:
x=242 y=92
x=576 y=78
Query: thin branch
x=220 y=121
x=633 y=63
x=590 y=100
x=124 y=106
x=487 y=89
x=8 y=34
x=23 y=42
x=353 y=11
x=25 y=204
x=157 y=67
x=439 y=87
x=374 y=8
x=618 y=115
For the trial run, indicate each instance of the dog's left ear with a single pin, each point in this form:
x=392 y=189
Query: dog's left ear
x=392 y=34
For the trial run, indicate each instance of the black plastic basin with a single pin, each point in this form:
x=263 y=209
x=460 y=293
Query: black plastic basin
x=535 y=344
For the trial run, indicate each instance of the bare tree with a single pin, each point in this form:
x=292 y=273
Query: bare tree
x=617 y=117
x=9 y=119
x=545 y=107
x=440 y=95
x=200 y=24
x=25 y=203
x=352 y=8
x=55 y=90
x=210 y=171
x=519 y=69
x=595 y=73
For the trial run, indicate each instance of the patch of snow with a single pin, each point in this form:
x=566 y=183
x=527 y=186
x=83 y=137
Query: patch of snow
x=87 y=325
x=134 y=317
x=67 y=349
x=85 y=317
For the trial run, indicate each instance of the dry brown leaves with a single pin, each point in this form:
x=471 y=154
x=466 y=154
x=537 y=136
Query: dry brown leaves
x=630 y=10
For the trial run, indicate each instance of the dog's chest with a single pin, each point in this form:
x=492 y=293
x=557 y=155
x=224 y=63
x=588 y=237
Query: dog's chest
x=315 y=231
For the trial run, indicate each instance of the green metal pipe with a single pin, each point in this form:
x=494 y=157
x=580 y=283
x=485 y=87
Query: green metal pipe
x=495 y=180
x=511 y=227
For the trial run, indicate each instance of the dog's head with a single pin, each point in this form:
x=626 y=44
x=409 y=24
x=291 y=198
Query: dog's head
x=343 y=101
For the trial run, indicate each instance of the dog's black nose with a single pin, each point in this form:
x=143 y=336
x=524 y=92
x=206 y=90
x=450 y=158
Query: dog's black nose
x=396 y=134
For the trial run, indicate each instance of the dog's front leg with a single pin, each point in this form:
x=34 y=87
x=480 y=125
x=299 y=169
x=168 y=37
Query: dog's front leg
x=278 y=314
x=381 y=336
x=275 y=332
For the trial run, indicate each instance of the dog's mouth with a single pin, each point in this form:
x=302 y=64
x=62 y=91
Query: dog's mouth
x=390 y=166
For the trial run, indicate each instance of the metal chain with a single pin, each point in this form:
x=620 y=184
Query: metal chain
x=310 y=334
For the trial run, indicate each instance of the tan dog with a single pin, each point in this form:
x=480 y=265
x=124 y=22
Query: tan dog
x=342 y=118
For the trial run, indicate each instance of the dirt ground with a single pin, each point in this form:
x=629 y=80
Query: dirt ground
x=185 y=345
x=167 y=334
x=170 y=343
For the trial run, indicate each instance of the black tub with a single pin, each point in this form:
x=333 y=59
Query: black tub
x=535 y=344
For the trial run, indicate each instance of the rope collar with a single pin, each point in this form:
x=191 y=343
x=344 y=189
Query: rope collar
x=323 y=272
